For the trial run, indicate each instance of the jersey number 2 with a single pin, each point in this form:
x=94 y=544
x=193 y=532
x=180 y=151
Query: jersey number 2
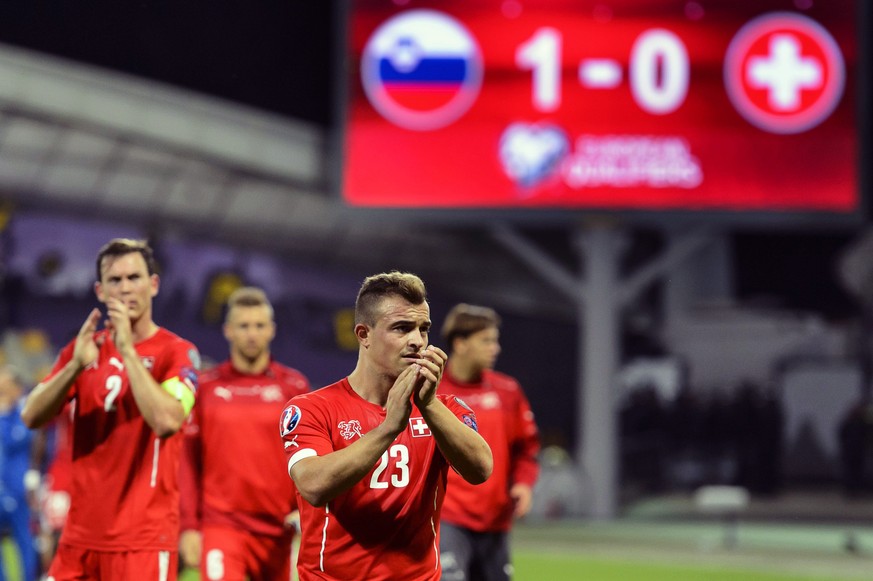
x=400 y=454
x=113 y=387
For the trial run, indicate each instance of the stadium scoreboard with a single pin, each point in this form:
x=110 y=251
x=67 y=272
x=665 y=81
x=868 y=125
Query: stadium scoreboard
x=721 y=106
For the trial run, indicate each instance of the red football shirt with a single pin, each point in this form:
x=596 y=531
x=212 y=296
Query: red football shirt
x=232 y=465
x=387 y=525
x=507 y=424
x=60 y=466
x=124 y=492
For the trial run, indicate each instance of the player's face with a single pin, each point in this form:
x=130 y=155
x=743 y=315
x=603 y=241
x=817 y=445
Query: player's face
x=127 y=279
x=9 y=388
x=481 y=348
x=399 y=335
x=249 y=331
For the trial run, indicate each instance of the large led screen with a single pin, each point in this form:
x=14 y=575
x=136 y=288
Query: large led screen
x=725 y=106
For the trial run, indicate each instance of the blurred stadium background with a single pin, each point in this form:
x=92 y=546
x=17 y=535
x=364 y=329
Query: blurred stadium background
x=742 y=349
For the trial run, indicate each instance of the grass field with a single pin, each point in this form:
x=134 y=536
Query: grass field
x=531 y=566
x=647 y=551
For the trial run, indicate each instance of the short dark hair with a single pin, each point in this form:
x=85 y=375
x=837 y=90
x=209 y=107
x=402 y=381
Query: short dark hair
x=463 y=320
x=377 y=287
x=248 y=296
x=121 y=246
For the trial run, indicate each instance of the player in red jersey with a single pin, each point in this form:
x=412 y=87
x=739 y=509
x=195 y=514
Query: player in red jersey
x=236 y=495
x=370 y=454
x=54 y=495
x=133 y=384
x=476 y=520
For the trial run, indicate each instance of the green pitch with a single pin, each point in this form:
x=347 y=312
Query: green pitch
x=620 y=551
x=535 y=567
x=529 y=567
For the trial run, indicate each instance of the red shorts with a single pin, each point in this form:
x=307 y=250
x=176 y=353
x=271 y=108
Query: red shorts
x=72 y=563
x=234 y=555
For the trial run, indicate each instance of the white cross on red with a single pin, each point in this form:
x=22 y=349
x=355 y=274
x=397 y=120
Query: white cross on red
x=784 y=72
x=419 y=427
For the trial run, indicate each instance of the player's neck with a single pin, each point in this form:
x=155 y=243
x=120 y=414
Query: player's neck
x=464 y=371
x=250 y=366
x=371 y=386
x=143 y=328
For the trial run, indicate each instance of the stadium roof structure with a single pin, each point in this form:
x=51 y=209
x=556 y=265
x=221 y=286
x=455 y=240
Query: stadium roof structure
x=92 y=142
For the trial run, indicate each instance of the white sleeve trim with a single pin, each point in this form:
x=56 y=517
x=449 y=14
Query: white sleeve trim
x=300 y=455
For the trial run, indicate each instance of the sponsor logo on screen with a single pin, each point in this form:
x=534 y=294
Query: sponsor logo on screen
x=421 y=70
x=784 y=73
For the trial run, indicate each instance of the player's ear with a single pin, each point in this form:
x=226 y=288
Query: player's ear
x=362 y=333
x=98 y=290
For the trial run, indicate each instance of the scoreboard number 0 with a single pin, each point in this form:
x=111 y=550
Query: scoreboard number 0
x=658 y=67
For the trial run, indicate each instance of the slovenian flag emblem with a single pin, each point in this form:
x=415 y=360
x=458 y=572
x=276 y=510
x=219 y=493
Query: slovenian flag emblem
x=421 y=70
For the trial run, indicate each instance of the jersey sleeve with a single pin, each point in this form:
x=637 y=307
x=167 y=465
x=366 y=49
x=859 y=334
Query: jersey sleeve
x=64 y=357
x=303 y=427
x=461 y=410
x=190 y=474
x=294 y=383
x=178 y=374
x=524 y=465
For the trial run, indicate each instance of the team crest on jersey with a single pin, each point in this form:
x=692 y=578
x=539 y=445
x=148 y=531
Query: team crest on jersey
x=470 y=420
x=271 y=393
x=148 y=362
x=351 y=428
x=290 y=419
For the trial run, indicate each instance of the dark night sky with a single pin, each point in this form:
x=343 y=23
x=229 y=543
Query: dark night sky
x=276 y=55
x=272 y=54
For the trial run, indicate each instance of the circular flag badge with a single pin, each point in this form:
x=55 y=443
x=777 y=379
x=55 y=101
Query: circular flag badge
x=289 y=420
x=784 y=73
x=421 y=70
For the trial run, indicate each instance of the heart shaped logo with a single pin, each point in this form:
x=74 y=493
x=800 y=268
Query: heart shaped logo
x=530 y=153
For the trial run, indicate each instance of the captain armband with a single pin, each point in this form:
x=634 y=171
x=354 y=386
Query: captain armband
x=181 y=391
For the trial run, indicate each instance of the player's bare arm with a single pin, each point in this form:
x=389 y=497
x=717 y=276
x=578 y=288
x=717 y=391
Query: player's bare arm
x=522 y=496
x=463 y=447
x=47 y=398
x=162 y=412
x=320 y=479
x=190 y=547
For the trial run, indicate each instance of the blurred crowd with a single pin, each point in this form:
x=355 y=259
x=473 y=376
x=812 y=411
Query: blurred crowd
x=701 y=437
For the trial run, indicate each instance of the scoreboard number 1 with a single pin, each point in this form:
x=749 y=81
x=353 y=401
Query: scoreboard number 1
x=658 y=70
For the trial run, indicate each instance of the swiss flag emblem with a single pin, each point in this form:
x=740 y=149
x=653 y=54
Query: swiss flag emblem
x=419 y=428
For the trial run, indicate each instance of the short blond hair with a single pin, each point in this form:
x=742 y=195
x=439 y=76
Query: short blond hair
x=379 y=286
x=248 y=296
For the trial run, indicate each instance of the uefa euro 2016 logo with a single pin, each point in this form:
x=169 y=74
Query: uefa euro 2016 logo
x=289 y=420
x=421 y=70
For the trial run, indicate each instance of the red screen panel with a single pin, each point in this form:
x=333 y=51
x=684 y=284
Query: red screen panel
x=733 y=106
